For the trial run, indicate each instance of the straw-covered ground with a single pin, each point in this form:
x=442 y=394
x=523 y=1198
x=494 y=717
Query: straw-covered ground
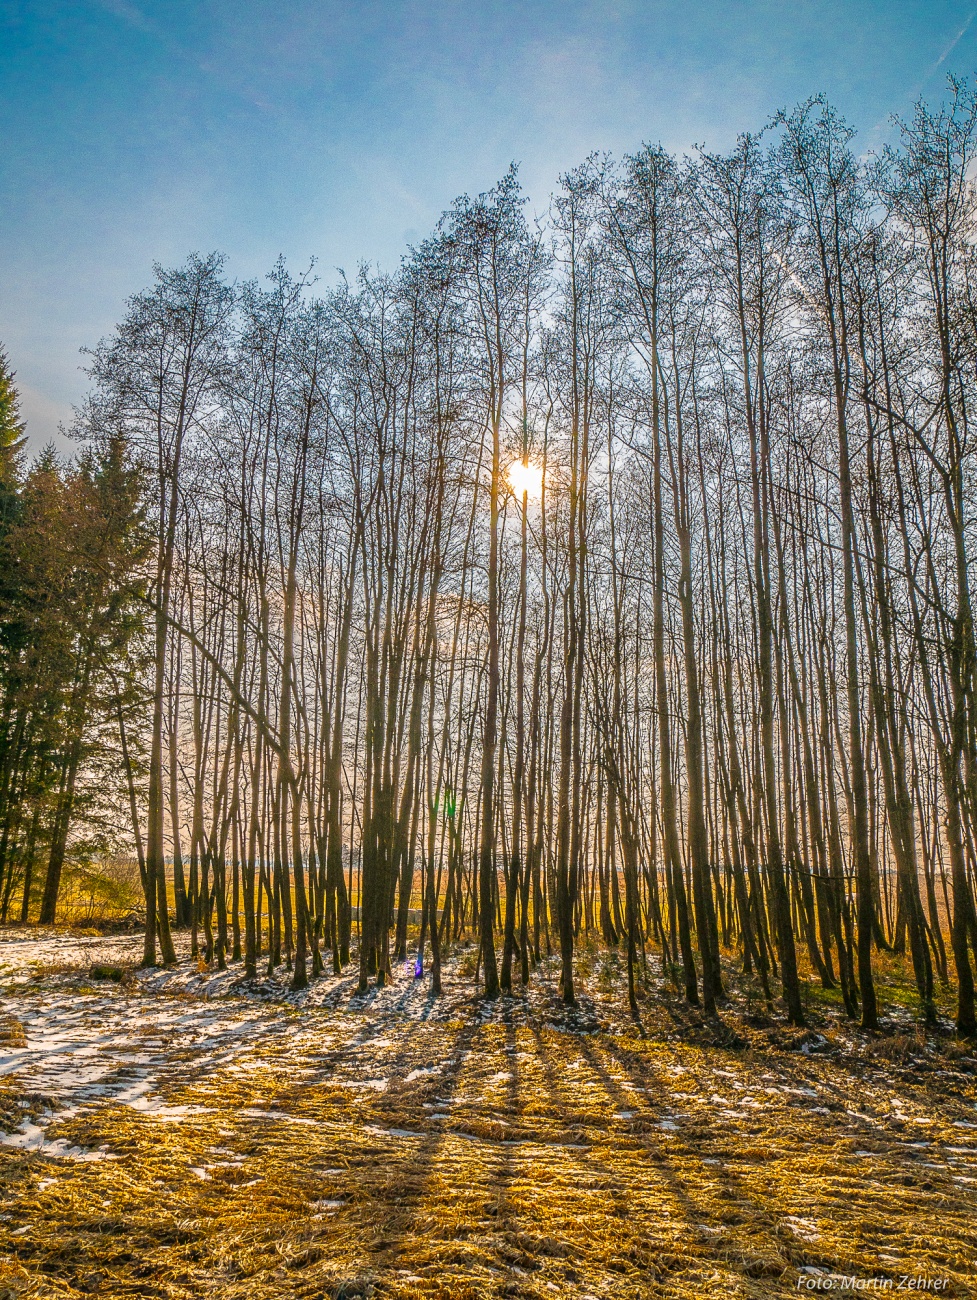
x=178 y=1134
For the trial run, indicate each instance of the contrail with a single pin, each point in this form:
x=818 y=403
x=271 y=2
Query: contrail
x=873 y=135
x=949 y=49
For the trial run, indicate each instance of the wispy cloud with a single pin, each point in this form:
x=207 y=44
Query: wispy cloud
x=128 y=13
x=874 y=136
x=949 y=49
x=134 y=17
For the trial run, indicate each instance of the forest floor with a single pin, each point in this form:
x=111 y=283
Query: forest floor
x=181 y=1134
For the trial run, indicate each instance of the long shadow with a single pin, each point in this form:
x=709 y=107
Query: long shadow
x=621 y=1098
x=504 y=1153
x=728 y=1178
x=499 y=1157
x=633 y=1254
x=410 y=1173
x=563 y=1105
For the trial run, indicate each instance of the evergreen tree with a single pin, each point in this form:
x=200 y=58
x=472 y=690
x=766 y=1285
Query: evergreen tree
x=73 y=542
x=12 y=442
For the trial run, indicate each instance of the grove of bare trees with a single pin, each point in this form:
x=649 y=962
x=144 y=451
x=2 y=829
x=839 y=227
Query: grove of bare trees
x=602 y=574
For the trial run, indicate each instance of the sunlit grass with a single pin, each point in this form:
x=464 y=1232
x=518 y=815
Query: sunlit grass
x=551 y=1153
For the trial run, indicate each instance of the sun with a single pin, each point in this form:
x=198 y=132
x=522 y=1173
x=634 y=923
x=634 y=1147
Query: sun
x=526 y=479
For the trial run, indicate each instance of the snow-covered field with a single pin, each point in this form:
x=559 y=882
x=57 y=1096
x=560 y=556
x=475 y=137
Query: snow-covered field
x=451 y=1147
x=163 y=1030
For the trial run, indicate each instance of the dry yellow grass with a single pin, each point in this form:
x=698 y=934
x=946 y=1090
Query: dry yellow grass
x=549 y=1155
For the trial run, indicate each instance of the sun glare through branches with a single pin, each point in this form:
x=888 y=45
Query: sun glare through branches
x=526 y=479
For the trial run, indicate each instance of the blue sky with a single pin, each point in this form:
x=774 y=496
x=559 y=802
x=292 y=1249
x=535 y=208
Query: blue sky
x=133 y=131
